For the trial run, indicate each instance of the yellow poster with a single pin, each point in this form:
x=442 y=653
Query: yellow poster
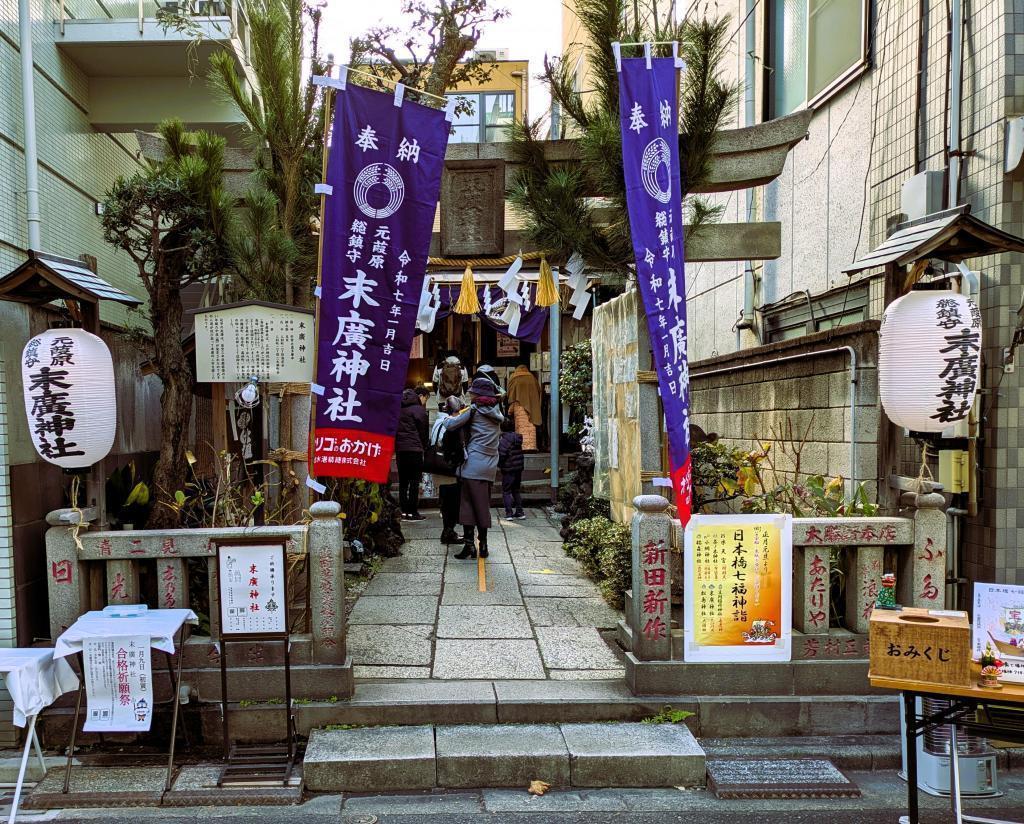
x=738 y=587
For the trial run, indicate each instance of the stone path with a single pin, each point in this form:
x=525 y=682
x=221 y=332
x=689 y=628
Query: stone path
x=423 y=616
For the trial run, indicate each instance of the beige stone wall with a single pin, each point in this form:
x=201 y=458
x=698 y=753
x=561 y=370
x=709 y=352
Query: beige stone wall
x=760 y=402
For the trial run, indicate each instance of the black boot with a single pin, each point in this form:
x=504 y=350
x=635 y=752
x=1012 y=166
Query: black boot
x=483 y=542
x=468 y=551
x=449 y=536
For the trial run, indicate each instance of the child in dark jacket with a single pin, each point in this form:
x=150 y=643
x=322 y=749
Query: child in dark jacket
x=511 y=462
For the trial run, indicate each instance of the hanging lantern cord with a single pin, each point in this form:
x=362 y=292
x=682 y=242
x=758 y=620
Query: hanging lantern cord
x=924 y=474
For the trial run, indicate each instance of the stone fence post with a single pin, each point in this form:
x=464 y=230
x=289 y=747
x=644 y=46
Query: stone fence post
x=921 y=580
x=66 y=581
x=651 y=613
x=327 y=583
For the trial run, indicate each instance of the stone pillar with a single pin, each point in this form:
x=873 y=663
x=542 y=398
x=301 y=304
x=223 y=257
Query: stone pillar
x=921 y=580
x=811 y=586
x=171 y=584
x=66 y=581
x=863 y=581
x=122 y=582
x=651 y=613
x=327 y=583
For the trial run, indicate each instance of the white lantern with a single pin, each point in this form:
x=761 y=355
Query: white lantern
x=929 y=359
x=68 y=379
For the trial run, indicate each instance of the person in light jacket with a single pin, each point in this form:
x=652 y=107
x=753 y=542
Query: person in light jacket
x=447 y=486
x=483 y=417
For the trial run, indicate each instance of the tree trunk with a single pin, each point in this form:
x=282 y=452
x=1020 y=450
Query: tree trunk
x=172 y=366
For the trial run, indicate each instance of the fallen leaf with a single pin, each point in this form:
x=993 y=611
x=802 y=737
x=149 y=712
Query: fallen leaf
x=539 y=787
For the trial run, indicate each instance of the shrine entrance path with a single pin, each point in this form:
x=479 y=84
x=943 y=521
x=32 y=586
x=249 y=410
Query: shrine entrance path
x=423 y=616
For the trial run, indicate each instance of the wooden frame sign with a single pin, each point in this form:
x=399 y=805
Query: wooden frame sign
x=739 y=588
x=252 y=589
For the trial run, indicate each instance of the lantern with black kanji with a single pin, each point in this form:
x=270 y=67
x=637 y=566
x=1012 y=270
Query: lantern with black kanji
x=68 y=379
x=929 y=359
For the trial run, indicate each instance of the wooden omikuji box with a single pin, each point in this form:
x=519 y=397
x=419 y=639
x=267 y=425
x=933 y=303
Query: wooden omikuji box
x=921 y=645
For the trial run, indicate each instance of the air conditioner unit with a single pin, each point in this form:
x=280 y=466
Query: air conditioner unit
x=487 y=54
x=922 y=195
x=977 y=763
x=501 y=54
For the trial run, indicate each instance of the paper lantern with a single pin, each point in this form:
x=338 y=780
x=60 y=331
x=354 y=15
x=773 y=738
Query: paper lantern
x=929 y=359
x=68 y=380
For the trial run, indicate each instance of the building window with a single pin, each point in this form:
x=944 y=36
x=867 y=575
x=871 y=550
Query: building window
x=487 y=119
x=808 y=58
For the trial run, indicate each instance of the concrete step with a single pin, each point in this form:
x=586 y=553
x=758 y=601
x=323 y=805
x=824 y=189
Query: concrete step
x=383 y=759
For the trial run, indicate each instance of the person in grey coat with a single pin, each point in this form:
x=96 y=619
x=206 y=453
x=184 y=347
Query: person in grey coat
x=483 y=419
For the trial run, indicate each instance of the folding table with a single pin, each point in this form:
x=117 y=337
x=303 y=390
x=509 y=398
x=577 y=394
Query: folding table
x=35 y=679
x=160 y=625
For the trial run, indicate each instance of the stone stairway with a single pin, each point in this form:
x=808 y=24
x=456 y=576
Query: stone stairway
x=384 y=759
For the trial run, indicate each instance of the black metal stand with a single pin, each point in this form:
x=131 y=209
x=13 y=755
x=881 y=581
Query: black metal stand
x=1003 y=721
x=174 y=676
x=257 y=763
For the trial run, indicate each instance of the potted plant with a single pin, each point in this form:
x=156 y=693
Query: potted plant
x=991 y=668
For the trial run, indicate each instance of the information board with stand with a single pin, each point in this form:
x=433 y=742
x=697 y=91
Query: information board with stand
x=252 y=590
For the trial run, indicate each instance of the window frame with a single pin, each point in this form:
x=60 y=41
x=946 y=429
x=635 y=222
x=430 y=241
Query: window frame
x=832 y=309
x=845 y=78
x=481 y=123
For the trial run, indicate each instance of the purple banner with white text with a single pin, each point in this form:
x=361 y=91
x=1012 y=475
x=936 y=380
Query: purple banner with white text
x=648 y=114
x=384 y=166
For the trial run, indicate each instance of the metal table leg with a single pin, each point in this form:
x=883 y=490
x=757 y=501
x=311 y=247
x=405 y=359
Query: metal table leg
x=74 y=725
x=175 y=698
x=910 y=739
x=29 y=739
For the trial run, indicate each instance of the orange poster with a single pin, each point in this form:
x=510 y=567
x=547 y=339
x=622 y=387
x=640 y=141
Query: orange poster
x=738 y=588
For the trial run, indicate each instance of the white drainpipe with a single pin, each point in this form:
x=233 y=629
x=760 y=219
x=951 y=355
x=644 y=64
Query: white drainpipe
x=28 y=100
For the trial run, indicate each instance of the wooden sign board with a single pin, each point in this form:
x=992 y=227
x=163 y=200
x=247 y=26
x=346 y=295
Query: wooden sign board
x=921 y=645
x=251 y=585
x=238 y=341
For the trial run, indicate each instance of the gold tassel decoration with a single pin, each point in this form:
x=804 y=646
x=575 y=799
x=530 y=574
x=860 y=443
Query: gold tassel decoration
x=547 y=290
x=468 y=303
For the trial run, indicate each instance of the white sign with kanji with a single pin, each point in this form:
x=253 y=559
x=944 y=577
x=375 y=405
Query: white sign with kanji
x=252 y=597
x=118 y=684
x=238 y=342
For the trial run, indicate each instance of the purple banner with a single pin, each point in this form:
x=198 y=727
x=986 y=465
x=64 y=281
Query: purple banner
x=493 y=303
x=384 y=166
x=648 y=113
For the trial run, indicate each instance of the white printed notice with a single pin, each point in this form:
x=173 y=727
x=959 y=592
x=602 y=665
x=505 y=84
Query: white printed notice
x=999 y=621
x=118 y=684
x=252 y=589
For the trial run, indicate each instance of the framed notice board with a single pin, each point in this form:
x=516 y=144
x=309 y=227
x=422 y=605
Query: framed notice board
x=739 y=588
x=251 y=578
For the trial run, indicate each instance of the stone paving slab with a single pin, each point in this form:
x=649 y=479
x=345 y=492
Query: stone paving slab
x=196 y=785
x=415 y=563
x=583 y=675
x=404 y=583
x=562 y=564
x=387 y=673
x=581 y=590
x=372 y=644
x=464 y=571
x=388 y=610
x=424 y=548
x=457 y=593
x=497 y=553
x=105 y=786
x=501 y=756
x=483 y=622
x=534 y=576
x=487 y=659
x=575 y=648
x=572 y=612
x=634 y=755
x=375 y=759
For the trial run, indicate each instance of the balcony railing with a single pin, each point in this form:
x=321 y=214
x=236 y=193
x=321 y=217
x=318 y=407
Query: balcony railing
x=194 y=19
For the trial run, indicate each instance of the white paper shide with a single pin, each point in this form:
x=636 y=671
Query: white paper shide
x=252 y=589
x=118 y=684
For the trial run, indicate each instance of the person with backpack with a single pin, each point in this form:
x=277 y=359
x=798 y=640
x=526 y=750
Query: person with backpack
x=410 y=442
x=482 y=419
x=444 y=455
x=511 y=464
x=450 y=378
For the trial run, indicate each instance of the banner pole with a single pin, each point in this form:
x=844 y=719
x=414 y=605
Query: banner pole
x=328 y=111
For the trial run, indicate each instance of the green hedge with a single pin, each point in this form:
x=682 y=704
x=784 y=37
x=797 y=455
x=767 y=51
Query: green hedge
x=603 y=549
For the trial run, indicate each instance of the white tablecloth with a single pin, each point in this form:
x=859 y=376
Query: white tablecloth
x=159 y=624
x=35 y=679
